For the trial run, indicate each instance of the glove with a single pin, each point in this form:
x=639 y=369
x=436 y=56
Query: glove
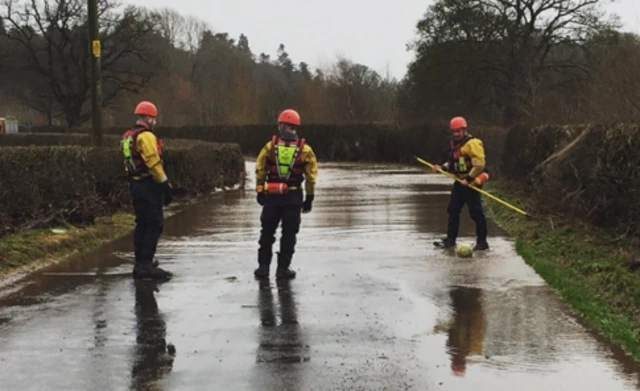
x=306 y=205
x=261 y=198
x=471 y=180
x=167 y=195
x=444 y=167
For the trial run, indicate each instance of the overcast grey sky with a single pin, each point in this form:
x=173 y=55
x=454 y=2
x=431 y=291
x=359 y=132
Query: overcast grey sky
x=371 y=32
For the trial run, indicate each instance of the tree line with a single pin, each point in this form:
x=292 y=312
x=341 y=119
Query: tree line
x=496 y=61
x=195 y=75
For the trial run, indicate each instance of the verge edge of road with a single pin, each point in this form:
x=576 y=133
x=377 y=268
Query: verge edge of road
x=595 y=278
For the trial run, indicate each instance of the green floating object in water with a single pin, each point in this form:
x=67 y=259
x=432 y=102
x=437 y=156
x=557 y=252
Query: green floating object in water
x=59 y=230
x=464 y=251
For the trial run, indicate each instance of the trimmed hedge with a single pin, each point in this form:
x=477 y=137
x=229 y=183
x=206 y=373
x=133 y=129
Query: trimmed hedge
x=51 y=139
x=348 y=142
x=586 y=171
x=79 y=183
x=365 y=142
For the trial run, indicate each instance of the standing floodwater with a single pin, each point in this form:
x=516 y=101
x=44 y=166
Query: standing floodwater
x=374 y=306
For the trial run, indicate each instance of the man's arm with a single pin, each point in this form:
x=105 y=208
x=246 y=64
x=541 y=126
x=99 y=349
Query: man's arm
x=147 y=144
x=475 y=149
x=261 y=166
x=444 y=166
x=310 y=169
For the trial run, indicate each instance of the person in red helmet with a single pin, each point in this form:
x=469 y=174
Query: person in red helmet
x=282 y=165
x=149 y=188
x=467 y=162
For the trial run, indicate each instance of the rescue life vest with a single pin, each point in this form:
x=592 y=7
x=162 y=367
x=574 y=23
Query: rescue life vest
x=133 y=161
x=459 y=163
x=284 y=162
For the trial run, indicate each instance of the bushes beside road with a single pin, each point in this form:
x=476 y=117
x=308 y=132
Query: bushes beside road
x=590 y=172
x=348 y=142
x=71 y=181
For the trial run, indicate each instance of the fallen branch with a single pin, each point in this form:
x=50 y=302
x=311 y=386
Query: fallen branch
x=47 y=220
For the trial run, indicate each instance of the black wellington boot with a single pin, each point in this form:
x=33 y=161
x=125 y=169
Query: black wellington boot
x=283 y=271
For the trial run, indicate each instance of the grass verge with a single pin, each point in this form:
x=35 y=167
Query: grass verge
x=33 y=247
x=591 y=271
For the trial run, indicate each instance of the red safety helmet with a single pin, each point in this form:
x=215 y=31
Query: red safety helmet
x=146 y=109
x=290 y=117
x=458 y=123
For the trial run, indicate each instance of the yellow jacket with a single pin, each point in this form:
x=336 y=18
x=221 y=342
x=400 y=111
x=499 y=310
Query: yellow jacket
x=306 y=155
x=147 y=145
x=474 y=149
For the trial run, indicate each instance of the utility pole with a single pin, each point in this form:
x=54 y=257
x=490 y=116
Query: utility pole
x=96 y=82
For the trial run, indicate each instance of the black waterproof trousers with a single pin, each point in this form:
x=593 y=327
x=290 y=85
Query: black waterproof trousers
x=461 y=195
x=147 y=197
x=286 y=208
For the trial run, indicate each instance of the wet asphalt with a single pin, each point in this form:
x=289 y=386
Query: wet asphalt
x=374 y=307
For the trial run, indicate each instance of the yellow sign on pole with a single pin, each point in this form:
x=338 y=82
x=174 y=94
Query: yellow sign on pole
x=96 y=48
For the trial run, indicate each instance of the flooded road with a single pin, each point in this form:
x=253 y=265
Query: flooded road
x=374 y=306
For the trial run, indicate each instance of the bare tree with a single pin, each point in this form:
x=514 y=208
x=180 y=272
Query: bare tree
x=192 y=34
x=615 y=91
x=53 y=41
x=171 y=26
x=4 y=47
x=509 y=46
x=192 y=73
x=358 y=88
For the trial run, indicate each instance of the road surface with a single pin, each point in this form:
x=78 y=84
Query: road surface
x=374 y=307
